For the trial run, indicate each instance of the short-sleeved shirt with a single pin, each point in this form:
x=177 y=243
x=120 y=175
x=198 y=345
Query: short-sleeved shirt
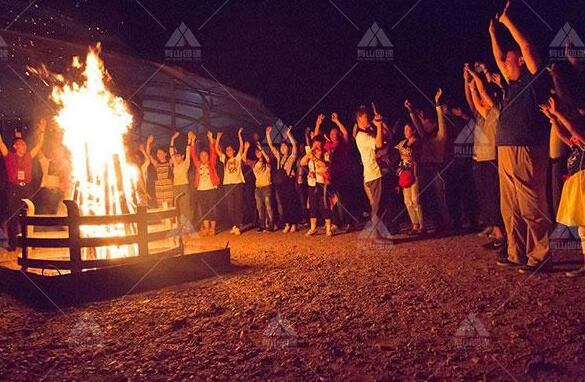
x=262 y=172
x=367 y=147
x=484 y=141
x=205 y=183
x=181 y=172
x=521 y=122
x=232 y=173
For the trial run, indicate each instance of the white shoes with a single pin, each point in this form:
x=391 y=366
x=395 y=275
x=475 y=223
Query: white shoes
x=286 y=228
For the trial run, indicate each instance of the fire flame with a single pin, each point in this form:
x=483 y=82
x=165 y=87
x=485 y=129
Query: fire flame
x=94 y=122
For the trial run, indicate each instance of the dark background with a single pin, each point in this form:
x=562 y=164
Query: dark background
x=291 y=53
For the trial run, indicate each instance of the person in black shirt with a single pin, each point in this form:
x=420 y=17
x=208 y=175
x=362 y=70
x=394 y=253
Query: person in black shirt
x=522 y=140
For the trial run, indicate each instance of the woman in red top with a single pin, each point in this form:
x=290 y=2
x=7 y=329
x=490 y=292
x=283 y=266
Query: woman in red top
x=18 y=163
x=206 y=182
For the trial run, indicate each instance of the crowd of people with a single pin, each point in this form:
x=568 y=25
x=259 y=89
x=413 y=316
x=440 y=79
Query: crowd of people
x=509 y=163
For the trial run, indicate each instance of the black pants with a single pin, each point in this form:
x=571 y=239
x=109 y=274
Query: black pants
x=234 y=203
x=15 y=195
x=460 y=195
x=319 y=200
x=207 y=204
x=288 y=202
x=487 y=184
x=303 y=195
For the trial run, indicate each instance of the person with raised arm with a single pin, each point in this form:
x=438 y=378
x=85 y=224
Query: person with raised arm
x=367 y=142
x=486 y=109
x=433 y=138
x=18 y=163
x=284 y=178
x=571 y=211
x=522 y=139
x=263 y=192
x=342 y=173
x=206 y=182
x=233 y=180
x=318 y=181
x=163 y=182
x=180 y=164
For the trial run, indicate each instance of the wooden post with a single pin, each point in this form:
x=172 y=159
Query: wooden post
x=24 y=232
x=142 y=227
x=74 y=235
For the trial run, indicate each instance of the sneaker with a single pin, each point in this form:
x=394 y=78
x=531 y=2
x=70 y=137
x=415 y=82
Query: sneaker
x=260 y=229
x=504 y=262
x=233 y=229
x=486 y=232
x=543 y=267
x=495 y=244
x=329 y=232
x=576 y=273
x=293 y=228
x=236 y=231
x=311 y=232
x=286 y=228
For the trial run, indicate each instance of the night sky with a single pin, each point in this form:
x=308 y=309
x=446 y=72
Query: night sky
x=291 y=53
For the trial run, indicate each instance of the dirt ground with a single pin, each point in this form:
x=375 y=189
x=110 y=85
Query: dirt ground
x=317 y=309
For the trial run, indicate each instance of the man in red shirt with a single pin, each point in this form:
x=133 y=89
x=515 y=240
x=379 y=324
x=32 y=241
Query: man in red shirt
x=18 y=162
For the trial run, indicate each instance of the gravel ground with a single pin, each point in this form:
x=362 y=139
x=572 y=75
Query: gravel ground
x=320 y=308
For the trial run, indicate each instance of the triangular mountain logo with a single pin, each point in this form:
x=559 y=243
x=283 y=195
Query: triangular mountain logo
x=3 y=43
x=471 y=332
x=374 y=37
x=277 y=133
x=374 y=229
x=563 y=232
x=279 y=333
x=182 y=36
x=565 y=36
x=86 y=335
x=469 y=133
x=183 y=229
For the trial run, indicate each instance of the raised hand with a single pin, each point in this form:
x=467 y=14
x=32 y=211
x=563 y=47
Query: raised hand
x=438 y=95
x=150 y=139
x=175 y=135
x=240 y=131
x=320 y=119
x=335 y=118
x=408 y=105
x=268 y=129
x=209 y=135
x=552 y=105
x=191 y=137
x=505 y=16
x=466 y=73
x=492 y=28
x=378 y=120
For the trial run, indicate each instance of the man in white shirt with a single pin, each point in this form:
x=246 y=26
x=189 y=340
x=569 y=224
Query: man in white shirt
x=367 y=145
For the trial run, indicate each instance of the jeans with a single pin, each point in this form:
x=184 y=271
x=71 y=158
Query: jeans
x=413 y=206
x=264 y=207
